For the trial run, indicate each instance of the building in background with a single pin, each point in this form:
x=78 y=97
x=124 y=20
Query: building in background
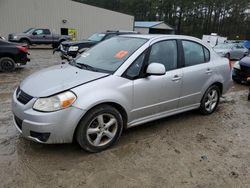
x=160 y=27
x=60 y=16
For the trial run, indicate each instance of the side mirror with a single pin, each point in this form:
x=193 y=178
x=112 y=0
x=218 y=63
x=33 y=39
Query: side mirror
x=34 y=33
x=156 y=69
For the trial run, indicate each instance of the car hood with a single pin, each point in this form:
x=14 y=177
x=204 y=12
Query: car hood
x=245 y=61
x=57 y=79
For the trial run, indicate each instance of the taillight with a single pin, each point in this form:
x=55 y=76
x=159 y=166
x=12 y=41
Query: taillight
x=23 y=49
x=230 y=64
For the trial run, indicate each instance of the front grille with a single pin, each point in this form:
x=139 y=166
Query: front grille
x=245 y=69
x=19 y=122
x=22 y=97
x=10 y=37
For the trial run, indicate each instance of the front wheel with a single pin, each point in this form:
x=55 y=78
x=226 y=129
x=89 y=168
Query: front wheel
x=99 y=129
x=210 y=100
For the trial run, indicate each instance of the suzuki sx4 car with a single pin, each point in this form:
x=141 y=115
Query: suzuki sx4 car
x=122 y=82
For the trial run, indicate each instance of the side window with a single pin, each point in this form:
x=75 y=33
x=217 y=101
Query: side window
x=239 y=46
x=207 y=54
x=164 y=52
x=46 y=31
x=134 y=70
x=39 y=31
x=110 y=36
x=193 y=53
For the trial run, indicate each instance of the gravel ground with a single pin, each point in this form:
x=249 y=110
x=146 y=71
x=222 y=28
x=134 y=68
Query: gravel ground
x=187 y=150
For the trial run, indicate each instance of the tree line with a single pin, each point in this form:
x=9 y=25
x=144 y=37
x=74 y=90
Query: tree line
x=229 y=18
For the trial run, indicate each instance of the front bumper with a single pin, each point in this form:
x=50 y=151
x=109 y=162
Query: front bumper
x=48 y=128
x=240 y=76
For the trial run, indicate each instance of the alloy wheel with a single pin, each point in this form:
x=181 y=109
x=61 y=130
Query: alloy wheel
x=211 y=100
x=102 y=130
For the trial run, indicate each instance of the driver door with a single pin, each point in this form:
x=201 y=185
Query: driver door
x=156 y=95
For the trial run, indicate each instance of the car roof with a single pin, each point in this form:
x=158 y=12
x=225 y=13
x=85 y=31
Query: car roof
x=158 y=36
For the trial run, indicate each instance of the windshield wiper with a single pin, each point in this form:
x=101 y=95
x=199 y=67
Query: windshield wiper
x=82 y=65
x=88 y=67
x=73 y=62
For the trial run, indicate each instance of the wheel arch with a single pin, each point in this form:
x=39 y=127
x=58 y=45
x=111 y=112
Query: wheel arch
x=115 y=105
x=220 y=85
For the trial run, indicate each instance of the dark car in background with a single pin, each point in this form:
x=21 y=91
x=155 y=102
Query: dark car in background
x=12 y=55
x=241 y=70
x=72 y=49
x=38 y=36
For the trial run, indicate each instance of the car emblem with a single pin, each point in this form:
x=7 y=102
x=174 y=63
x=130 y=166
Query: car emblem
x=18 y=94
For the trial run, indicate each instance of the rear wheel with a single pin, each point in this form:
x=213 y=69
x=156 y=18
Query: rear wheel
x=99 y=129
x=7 y=64
x=210 y=100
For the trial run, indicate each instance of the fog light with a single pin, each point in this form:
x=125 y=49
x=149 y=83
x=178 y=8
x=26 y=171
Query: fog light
x=40 y=136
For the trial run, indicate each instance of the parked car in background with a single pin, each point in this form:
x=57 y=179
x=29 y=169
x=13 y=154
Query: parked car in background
x=231 y=50
x=241 y=70
x=38 y=36
x=73 y=48
x=235 y=41
x=12 y=55
x=120 y=83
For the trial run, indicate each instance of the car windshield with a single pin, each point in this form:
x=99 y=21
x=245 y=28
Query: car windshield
x=28 y=30
x=109 y=55
x=223 y=46
x=97 y=37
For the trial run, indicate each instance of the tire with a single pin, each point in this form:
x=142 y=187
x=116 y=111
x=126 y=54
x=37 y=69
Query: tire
x=94 y=134
x=55 y=45
x=210 y=100
x=26 y=42
x=7 y=64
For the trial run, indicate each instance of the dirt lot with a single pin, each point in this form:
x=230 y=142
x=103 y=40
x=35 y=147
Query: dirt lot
x=187 y=150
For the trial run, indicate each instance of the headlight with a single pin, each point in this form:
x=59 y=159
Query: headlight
x=15 y=37
x=73 y=48
x=237 y=65
x=56 y=102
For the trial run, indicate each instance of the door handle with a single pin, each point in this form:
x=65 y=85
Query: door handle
x=209 y=71
x=176 y=78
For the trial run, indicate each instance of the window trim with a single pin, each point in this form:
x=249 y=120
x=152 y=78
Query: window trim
x=125 y=75
x=203 y=47
x=145 y=64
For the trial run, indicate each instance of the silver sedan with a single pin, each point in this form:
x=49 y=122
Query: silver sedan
x=231 y=50
x=120 y=83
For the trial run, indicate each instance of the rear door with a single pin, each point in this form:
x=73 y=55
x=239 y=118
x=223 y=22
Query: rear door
x=47 y=36
x=197 y=72
x=157 y=94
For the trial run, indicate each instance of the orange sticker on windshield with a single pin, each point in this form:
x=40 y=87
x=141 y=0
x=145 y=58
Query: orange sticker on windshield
x=121 y=54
